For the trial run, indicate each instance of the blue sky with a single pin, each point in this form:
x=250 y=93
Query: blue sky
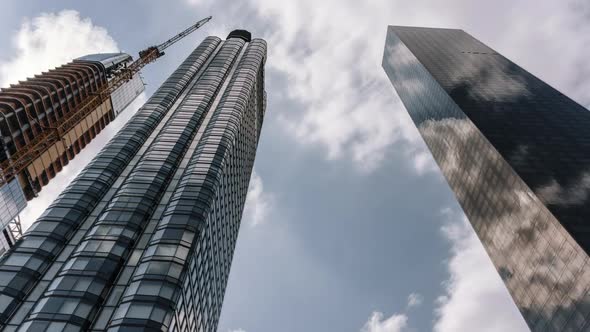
x=349 y=225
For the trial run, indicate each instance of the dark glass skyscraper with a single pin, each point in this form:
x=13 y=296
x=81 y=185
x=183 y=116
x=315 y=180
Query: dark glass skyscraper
x=516 y=152
x=143 y=238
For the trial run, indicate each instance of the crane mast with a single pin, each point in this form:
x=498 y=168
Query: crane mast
x=18 y=161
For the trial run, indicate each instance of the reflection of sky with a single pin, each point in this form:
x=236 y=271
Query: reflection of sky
x=337 y=244
x=535 y=259
x=576 y=194
x=543 y=135
x=539 y=261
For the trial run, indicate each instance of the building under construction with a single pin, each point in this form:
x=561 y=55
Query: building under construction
x=48 y=119
x=38 y=106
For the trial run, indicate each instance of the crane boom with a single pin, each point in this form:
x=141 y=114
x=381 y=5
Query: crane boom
x=21 y=159
x=158 y=51
x=183 y=34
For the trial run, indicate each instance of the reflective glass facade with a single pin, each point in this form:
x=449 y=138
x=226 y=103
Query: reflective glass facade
x=12 y=202
x=516 y=152
x=126 y=93
x=143 y=238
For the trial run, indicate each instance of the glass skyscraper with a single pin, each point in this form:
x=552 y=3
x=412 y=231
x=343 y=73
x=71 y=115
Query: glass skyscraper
x=516 y=152
x=143 y=238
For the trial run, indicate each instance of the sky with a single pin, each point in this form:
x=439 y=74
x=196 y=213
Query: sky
x=348 y=224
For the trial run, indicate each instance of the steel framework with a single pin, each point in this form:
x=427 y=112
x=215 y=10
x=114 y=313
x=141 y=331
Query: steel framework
x=46 y=136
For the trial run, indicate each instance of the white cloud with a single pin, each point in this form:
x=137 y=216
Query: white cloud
x=50 y=40
x=475 y=297
x=557 y=48
x=397 y=322
x=394 y=323
x=329 y=53
x=258 y=202
x=414 y=300
x=238 y=330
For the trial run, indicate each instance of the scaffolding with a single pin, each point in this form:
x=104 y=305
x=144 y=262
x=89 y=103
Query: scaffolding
x=48 y=134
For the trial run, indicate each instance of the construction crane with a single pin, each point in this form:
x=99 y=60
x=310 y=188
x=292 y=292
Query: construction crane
x=18 y=161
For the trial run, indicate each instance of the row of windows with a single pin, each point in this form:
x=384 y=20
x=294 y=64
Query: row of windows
x=154 y=169
x=122 y=281
x=153 y=268
x=209 y=267
x=199 y=200
x=81 y=196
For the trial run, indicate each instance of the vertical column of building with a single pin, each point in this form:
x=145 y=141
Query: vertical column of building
x=52 y=239
x=217 y=242
x=76 y=294
x=206 y=207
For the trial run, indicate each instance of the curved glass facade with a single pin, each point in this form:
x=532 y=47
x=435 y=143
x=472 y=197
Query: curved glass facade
x=114 y=251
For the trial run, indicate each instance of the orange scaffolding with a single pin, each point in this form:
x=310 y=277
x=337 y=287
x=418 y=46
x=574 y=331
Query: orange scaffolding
x=49 y=135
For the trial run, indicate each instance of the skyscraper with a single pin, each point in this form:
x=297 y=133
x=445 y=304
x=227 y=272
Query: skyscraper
x=143 y=238
x=39 y=105
x=516 y=152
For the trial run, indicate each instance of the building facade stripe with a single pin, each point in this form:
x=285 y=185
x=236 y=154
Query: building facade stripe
x=46 y=238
